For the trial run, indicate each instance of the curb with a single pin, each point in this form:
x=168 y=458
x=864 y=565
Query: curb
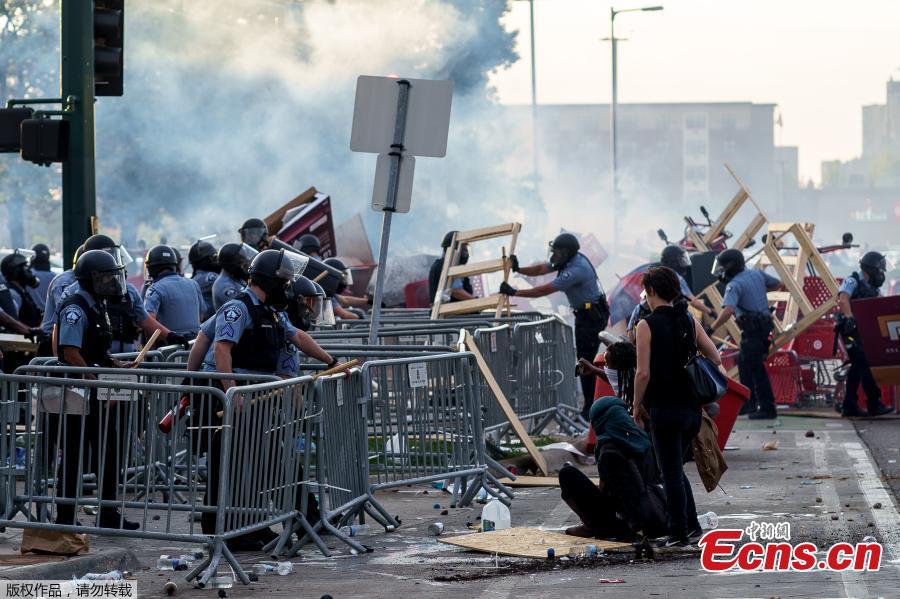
x=74 y=567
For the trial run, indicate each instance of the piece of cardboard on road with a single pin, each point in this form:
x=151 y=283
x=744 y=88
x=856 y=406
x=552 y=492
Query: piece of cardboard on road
x=508 y=411
x=529 y=542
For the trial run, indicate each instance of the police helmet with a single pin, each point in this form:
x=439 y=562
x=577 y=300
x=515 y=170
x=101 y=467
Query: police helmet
x=347 y=276
x=308 y=305
x=309 y=244
x=105 y=243
x=202 y=256
x=448 y=239
x=78 y=251
x=728 y=264
x=874 y=264
x=276 y=268
x=41 y=258
x=253 y=231
x=15 y=267
x=563 y=249
x=100 y=274
x=235 y=259
x=675 y=258
x=160 y=258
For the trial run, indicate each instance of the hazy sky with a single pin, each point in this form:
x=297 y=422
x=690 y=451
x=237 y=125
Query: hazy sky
x=819 y=60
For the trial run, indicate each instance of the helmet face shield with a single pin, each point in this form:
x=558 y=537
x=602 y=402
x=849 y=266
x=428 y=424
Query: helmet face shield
x=123 y=258
x=253 y=235
x=324 y=317
x=291 y=266
x=245 y=256
x=109 y=283
x=347 y=278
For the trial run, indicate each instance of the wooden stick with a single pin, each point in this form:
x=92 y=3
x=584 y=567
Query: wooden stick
x=147 y=347
x=320 y=276
x=337 y=369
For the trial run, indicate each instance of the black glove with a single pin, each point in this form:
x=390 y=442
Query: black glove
x=514 y=263
x=507 y=289
x=332 y=364
x=176 y=339
x=848 y=327
x=36 y=334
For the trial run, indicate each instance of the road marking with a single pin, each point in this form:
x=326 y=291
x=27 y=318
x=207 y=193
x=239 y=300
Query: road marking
x=854 y=585
x=887 y=520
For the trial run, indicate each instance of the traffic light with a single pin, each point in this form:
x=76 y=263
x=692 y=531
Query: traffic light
x=10 y=127
x=45 y=140
x=109 y=34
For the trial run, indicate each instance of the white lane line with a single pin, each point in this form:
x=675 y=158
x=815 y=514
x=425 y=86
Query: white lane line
x=886 y=519
x=854 y=585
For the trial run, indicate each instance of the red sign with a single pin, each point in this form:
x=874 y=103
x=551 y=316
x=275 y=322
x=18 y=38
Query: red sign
x=878 y=320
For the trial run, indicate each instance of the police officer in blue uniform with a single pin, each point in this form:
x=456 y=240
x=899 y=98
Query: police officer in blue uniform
x=676 y=258
x=860 y=285
x=205 y=266
x=251 y=332
x=40 y=265
x=745 y=298
x=234 y=259
x=127 y=314
x=576 y=278
x=20 y=279
x=84 y=339
x=54 y=292
x=310 y=245
x=176 y=302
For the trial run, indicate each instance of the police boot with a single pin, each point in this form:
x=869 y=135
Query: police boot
x=850 y=409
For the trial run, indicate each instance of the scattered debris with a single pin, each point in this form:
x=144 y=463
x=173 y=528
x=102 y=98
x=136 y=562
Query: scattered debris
x=818 y=500
x=611 y=581
x=834 y=517
x=436 y=529
x=770 y=445
x=170 y=588
x=877 y=505
x=444 y=512
x=810 y=434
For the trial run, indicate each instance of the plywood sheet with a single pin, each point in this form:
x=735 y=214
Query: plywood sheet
x=536 y=481
x=528 y=542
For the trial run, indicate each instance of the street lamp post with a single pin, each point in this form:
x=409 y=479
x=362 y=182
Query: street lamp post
x=613 y=133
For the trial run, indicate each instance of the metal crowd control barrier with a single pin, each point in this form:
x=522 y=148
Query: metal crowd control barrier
x=424 y=425
x=545 y=374
x=495 y=345
x=101 y=443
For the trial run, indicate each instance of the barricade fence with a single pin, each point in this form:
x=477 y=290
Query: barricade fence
x=102 y=444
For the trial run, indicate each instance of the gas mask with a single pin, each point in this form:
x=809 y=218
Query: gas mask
x=300 y=316
x=559 y=257
x=279 y=297
x=876 y=276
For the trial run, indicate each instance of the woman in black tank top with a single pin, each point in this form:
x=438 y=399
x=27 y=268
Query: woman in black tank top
x=661 y=386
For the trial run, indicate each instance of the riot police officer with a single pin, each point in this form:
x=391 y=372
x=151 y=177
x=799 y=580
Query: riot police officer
x=234 y=259
x=205 y=266
x=251 y=332
x=255 y=233
x=745 y=298
x=176 y=302
x=20 y=279
x=40 y=265
x=676 y=258
x=127 y=314
x=84 y=339
x=460 y=288
x=862 y=285
x=310 y=245
x=576 y=278
x=54 y=292
x=343 y=300
x=309 y=307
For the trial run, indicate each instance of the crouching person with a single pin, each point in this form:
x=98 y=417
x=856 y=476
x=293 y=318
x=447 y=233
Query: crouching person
x=628 y=504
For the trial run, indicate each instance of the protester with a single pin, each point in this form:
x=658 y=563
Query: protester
x=665 y=340
x=460 y=287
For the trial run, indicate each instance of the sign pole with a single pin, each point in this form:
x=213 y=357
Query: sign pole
x=396 y=155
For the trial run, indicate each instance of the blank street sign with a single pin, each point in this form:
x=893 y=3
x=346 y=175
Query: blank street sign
x=427 y=118
x=404 y=185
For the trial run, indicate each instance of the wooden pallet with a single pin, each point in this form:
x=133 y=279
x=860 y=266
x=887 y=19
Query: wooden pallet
x=530 y=542
x=453 y=270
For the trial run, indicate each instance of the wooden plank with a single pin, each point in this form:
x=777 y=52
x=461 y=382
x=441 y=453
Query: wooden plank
x=697 y=240
x=787 y=278
x=725 y=217
x=715 y=298
x=778 y=296
x=507 y=409
x=469 y=306
x=11 y=342
x=505 y=300
x=442 y=281
x=536 y=481
x=475 y=268
x=794 y=331
x=486 y=233
x=530 y=542
x=752 y=229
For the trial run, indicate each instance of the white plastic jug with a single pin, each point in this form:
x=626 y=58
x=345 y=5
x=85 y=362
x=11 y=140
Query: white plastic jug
x=495 y=516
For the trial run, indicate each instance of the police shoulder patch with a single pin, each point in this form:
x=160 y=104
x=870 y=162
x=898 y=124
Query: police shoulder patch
x=566 y=274
x=233 y=314
x=72 y=315
x=231 y=292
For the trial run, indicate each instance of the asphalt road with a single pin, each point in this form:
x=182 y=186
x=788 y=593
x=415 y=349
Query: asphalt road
x=825 y=486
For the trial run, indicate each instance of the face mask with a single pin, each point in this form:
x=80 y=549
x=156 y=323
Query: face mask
x=341 y=287
x=876 y=280
x=300 y=316
x=558 y=258
x=278 y=298
x=613 y=377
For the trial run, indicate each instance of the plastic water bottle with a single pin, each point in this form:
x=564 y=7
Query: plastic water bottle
x=708 y=521
x=165 y=563
x=221 y=582
x=285 y=568
x=262 y=569
x=114 y=575
x=182 y=562
x=356 y=530
x=482 y=496
x=495 y=516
